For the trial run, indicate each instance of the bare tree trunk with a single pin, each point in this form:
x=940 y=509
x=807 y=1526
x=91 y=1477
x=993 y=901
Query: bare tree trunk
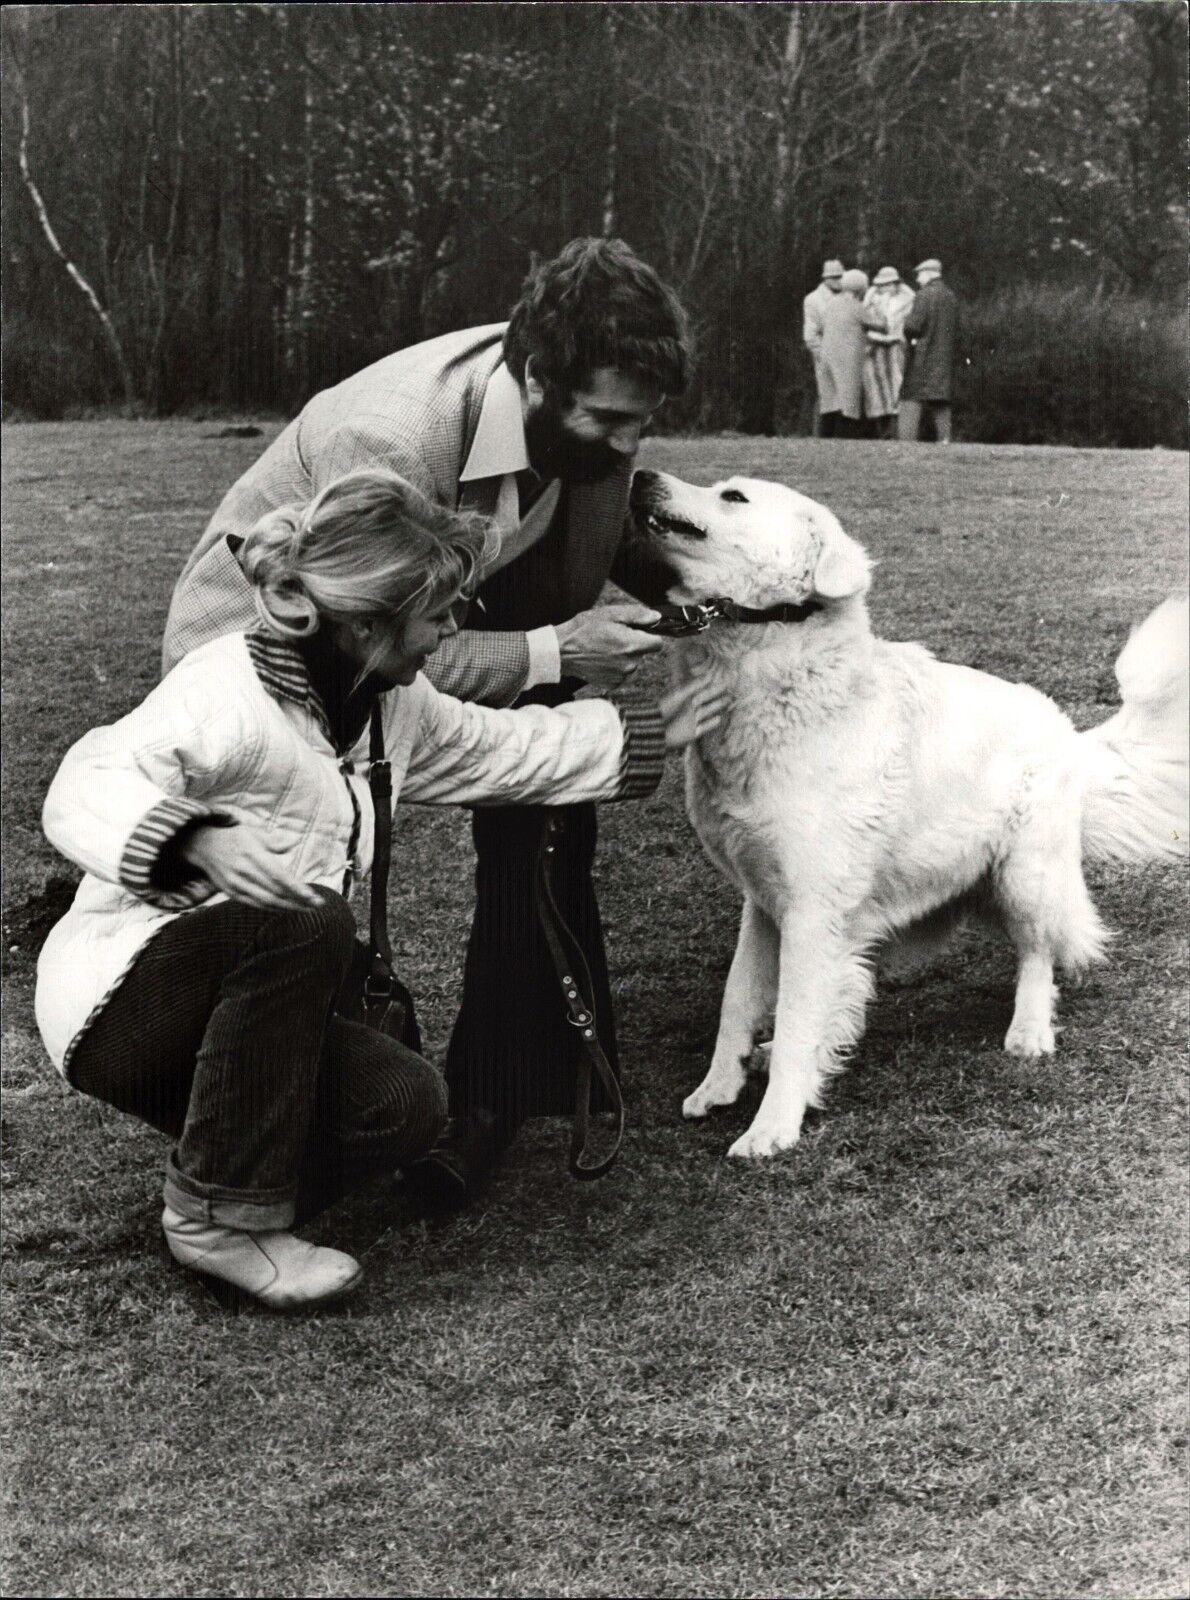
x=43 y=217
x=306 y=270
x=297 y=306
x=611 y=150
x=791 y=65
x=767 y=364
x=872 y=113
x=161 y=279
x=289 y=305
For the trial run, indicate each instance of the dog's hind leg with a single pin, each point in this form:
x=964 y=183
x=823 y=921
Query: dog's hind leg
x=820 y=1003
x=1042 y=896
x=748 y=999
x=1031 y=1032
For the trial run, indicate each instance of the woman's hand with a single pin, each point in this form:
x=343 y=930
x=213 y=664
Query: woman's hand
x=692 y=710
x=242 y=863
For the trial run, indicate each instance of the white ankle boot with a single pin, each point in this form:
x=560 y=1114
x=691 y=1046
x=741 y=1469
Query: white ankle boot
x=280 y=1271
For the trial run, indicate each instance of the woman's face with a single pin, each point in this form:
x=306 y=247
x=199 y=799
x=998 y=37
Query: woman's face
x=414 y=641
x=405 y=648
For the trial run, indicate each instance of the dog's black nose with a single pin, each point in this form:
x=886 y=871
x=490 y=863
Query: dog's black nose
x=644 y=487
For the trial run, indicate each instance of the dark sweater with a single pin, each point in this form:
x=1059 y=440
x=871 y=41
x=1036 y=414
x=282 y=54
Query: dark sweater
x=347 y=705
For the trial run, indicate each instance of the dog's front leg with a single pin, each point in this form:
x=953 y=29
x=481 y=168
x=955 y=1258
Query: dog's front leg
x=748 y=999
x=811 y=966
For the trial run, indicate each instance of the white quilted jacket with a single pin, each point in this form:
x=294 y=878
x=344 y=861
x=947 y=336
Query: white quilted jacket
x=234 y=731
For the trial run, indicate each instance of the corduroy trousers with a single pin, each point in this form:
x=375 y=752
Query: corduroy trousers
x=224 y=1036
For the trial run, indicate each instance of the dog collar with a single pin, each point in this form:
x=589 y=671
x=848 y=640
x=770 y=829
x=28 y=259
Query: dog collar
x=678 y=621
x=730 y=612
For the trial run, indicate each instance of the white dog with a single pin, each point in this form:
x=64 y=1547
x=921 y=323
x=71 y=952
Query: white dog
x=863 y=795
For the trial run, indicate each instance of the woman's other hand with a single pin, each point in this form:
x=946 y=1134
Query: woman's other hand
x=242 y=863
x=690 y=711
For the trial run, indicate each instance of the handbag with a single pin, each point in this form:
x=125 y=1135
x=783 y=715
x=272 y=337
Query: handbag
x=374 y=995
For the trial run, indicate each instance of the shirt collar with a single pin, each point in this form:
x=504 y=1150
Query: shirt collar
x=499 y=444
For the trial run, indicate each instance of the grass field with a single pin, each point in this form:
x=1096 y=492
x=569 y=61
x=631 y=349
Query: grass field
x=939 y=1350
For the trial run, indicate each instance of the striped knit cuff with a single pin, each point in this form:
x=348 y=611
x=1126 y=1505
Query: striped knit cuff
x=143 y=850
x=643 y=760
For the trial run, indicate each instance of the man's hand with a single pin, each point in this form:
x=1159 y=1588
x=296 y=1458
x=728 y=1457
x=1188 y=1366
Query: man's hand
x=606 y=646
x=242 y=863
x=691 y=710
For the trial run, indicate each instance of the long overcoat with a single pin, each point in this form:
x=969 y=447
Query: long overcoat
x=844 y=350
x=884 y=370
x=931 y=329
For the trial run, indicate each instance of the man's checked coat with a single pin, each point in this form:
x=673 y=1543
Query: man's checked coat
x=415 y=412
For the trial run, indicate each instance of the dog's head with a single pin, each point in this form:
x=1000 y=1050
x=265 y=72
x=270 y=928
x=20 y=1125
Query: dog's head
x=759 y=544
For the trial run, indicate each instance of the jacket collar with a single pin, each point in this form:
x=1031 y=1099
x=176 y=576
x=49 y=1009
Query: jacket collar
x=498 y=447
x=283 y=674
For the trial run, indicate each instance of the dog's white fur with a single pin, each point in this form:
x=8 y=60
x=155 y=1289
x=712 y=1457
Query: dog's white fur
x=866 y=798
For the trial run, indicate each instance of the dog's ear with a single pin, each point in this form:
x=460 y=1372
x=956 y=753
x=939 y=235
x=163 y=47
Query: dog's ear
x=842 y=568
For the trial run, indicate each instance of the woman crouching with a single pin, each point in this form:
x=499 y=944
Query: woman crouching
x=222 y=826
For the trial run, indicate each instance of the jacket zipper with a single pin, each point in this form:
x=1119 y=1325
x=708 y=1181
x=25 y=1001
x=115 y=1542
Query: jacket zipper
x=347 y=768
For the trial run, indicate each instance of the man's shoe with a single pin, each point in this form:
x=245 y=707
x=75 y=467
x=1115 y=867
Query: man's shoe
x=457 y=1170
x=283 y=1273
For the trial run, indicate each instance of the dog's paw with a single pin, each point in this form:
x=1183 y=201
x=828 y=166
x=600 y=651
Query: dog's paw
x=760 y=1142
x=709 y=1095
x=1030 y=1038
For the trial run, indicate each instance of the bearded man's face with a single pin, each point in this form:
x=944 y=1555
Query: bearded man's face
x=584 y=435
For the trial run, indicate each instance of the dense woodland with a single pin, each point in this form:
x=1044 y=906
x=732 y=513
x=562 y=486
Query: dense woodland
x=234 y=205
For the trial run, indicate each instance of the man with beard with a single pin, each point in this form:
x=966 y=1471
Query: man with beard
x=535 y=423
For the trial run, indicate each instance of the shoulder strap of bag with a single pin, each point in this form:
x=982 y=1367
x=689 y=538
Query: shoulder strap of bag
x=577 y=991
x=380 y=781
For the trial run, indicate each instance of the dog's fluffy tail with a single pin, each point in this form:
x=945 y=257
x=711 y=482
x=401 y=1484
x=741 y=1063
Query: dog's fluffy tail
x=1137 y=795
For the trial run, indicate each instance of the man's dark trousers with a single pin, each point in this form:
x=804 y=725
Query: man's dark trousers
x=513 y=1053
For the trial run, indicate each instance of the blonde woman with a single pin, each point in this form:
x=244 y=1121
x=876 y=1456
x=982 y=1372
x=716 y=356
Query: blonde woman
x=884 y=370
x=222 y=826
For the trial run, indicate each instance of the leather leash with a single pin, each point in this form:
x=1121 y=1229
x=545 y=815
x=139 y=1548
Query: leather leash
x=574 y=976
x=385 y=995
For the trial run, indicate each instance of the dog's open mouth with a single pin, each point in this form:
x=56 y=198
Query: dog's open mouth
x=659 y=522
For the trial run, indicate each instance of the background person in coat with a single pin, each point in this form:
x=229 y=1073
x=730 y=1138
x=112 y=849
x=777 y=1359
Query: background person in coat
x=884 y=369
x=535 y=423
x=845 y=324
x=931 y=329
x=195 y=981
x=812 y=309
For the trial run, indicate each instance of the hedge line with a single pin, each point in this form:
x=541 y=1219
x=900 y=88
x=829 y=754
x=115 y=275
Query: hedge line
x=1038 y=365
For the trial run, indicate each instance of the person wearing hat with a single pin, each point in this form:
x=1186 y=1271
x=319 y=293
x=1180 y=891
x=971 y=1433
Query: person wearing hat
x=845 y=324
x=931 y=329
x=884 y=369
x=813 y=307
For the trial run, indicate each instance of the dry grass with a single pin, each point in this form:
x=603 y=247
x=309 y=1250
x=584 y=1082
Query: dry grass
x=937 y=1351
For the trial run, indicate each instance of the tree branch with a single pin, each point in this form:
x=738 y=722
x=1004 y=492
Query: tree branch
x=47 y=228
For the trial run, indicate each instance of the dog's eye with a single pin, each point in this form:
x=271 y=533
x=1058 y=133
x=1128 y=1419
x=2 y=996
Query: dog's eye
x=734 y=495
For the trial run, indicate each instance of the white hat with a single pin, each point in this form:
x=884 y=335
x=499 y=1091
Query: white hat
x=855 y=281
x=887 y=275
x=932 y=265
x=832 y=269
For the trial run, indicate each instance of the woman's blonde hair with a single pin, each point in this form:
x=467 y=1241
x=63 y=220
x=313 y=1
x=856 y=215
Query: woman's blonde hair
x=368 y=547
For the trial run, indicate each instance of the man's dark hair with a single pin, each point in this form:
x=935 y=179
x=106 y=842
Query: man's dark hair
x=597 y=304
